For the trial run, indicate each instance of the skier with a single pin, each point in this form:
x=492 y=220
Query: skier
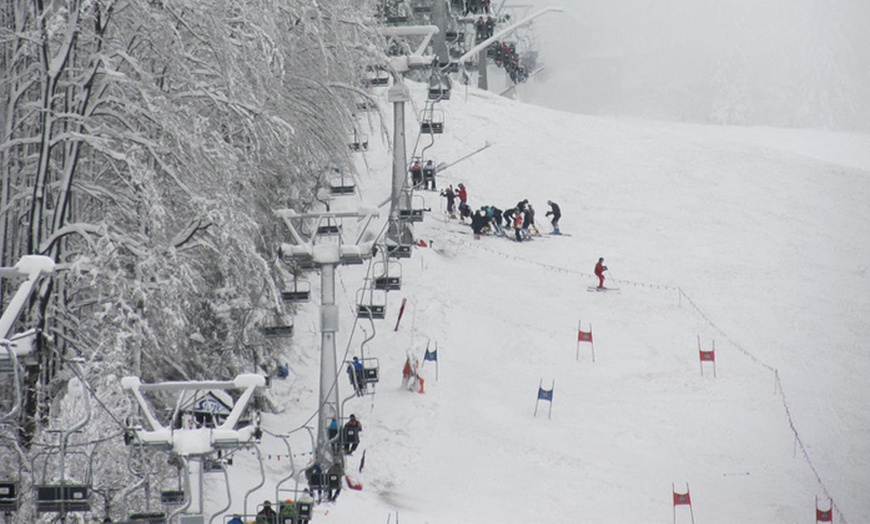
x=429 y=175
x=416 y=174
x=350 y=435
x=463 y=195
x=332 y=435
x=478 y=222
x=451 y=200
x=600 y=268
x=557 y=214
x=529 y=225
x=288 y=511
x=509 y=216
x=355 y=374
x=267 y=514
x=314 y=476
x=518 y=226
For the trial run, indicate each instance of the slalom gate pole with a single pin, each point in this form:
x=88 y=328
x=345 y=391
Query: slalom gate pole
x=401 y=312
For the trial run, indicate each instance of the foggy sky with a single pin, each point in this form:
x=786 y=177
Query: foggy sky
x=796 y=63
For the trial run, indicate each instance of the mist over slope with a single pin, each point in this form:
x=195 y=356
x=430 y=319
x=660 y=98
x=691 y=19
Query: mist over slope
x=759 y=249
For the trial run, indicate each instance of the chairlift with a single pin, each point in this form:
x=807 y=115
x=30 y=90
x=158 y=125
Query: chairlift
x=371 y=303
x=377 y=76
x=439 y=87
x=62 y=498
x=422 y=7
x=300 y=292
x=399 y=250
x=172 y=497
x=414 y=213
x=371 y=370
x=341 y=184
x=9 y=500
x=277 y=331
x=432 y=121
x=397 y=19
x=328 y=229
x=388 y=275
x=367 y=106
x=151 y=517
x=359 y=142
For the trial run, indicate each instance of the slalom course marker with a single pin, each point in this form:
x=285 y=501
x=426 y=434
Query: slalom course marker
x=401 y=312
x=825 y=515
x=433 y=357
x=584 y=336
x=545 y=394
x=707 y=356
x=682 y=499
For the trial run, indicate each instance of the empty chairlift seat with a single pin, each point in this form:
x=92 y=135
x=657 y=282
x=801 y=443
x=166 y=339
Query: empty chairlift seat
x=8 y=496
x=432 y=121
x=371 y=303
x=388 y=275
x=68 y=497
x=300 y=291
x=377 y=76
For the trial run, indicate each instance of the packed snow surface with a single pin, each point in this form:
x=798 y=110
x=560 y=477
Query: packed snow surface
x=755 y=240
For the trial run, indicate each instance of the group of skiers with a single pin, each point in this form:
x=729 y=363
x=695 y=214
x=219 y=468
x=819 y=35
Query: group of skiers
x=505 y=55
x=484 y=28
x=488 y=218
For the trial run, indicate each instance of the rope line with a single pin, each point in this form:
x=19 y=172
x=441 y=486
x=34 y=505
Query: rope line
x=709 y=321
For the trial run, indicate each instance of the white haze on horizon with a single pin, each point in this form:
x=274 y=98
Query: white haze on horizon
x=788 y=63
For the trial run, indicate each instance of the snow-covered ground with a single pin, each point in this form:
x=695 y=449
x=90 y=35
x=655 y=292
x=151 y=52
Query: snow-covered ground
x=755 y=240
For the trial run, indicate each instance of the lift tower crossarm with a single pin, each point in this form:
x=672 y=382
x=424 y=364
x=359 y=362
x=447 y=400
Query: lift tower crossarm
x=416 y=60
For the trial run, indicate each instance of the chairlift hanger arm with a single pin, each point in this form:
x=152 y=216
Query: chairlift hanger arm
x=32 y=268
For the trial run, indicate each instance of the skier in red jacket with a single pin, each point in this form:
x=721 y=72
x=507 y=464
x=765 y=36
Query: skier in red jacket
x=600 y=268
x=462 y=194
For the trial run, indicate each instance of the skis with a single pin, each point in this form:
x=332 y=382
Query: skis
x=603 y=289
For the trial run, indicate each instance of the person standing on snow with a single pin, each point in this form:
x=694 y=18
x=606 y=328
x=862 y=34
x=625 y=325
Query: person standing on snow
x=518 y=226
x=509 y=216
x=557 y=214
x=463 y=195
x=451 y=200
x=600 y=268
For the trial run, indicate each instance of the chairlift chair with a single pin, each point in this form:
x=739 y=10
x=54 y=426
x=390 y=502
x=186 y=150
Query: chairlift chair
x=399 y=250
x=377 y=76
x=414 y=213
x=359 y=142
x=371 y=303
x=439 y=87
x=9 y=500
x=172 y=497
x=365 y=105
x=300 y=292
x=432 y=121
x=151 y=517
x=61 y=498
x=422 y=7
x=388 y=275
x=341 y=184
x=277 y=331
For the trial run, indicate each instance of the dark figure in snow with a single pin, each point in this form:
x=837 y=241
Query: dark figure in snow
x=521 y=205
x=496 y=216
x=464 y=211
x=350 y=435
x=429 y=175
x=416 y=173
x=267 y=514
x=557 y=214
x=509 y=217
x=462 y=194
x=478 y=222
x=237 y=519
x=451 y=201
x=518 y=226
x=529 y=223
x=600 y=268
